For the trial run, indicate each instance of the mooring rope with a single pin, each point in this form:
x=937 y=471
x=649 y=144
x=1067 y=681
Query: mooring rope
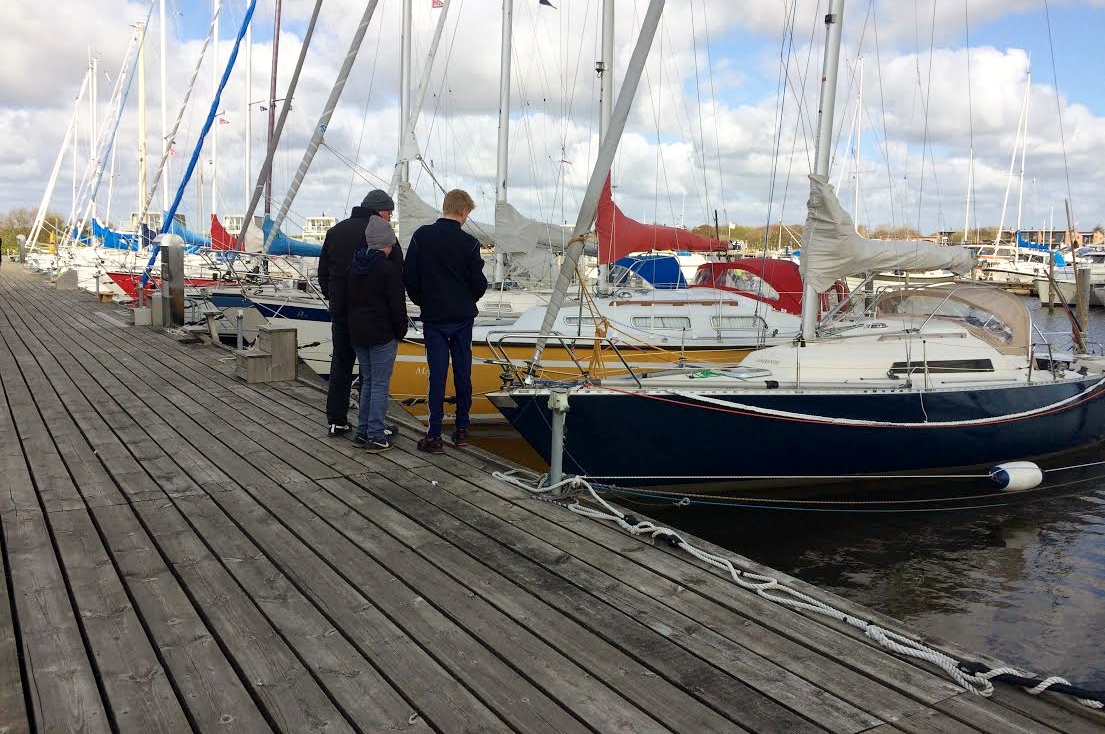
x=972 y=676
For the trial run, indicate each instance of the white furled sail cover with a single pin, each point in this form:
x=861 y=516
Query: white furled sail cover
x=515 y=233
x=252 y=237
x=413 y=213
x=831 y=249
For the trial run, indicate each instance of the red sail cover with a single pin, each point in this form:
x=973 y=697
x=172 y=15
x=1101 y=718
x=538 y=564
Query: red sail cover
x=220 y=238
x=619 y=235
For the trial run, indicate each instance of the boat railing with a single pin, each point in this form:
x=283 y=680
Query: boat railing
x=515 y=371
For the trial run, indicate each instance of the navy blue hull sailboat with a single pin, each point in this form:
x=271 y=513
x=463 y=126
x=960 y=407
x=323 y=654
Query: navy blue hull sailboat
x=933 y=380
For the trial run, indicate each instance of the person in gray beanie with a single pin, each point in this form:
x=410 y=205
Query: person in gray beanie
x=342 y=241
x=376 y=317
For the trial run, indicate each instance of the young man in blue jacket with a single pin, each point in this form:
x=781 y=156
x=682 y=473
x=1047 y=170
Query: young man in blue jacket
x=443 y=272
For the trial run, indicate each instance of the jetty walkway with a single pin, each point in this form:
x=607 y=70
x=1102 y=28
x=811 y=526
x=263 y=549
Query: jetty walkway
x=186 y=552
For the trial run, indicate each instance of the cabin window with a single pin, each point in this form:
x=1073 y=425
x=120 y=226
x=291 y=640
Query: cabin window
x=738 y=323
x=944 y=366
x=580 y=320
x=746 y=282
x=662 y=322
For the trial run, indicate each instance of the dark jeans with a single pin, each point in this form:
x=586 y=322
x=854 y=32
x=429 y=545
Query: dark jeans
x=445 y=341
x=341 y=373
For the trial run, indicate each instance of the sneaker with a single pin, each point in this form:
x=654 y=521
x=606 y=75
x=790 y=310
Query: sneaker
x=376 y=447
x=360 y=440
x=339 y=429
x=460 y=437
x=431 y=445
x=390 y=430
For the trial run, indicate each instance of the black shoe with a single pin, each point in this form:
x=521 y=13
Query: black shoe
x=360 y=440
x=431 y=445
x=339 y=429
x=376 y=447
x=390 y=430
x=460 y=437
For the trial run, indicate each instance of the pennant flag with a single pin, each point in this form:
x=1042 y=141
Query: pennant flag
x=224 y=121
x=437 y=4
x=546 y=2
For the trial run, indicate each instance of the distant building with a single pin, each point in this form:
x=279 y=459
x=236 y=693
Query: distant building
x=233 y=223
x=315 y=228
x=153 y=220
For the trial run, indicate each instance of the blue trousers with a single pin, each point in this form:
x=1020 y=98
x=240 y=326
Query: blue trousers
x=376 y=364
x=448 y=341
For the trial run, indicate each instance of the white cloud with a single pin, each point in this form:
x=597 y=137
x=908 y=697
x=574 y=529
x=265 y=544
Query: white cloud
x=702 y=135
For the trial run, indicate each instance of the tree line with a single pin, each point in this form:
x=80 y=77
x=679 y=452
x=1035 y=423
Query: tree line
x=19 y=222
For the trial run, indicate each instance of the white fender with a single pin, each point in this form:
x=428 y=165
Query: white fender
x=1016 y=476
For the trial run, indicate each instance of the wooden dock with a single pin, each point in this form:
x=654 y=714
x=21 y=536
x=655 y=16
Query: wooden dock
x=186 y=552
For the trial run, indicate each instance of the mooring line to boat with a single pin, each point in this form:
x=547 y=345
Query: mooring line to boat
x=973 y=676
x=806 y=418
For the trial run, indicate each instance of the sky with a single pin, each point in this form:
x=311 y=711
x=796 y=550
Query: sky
x=723 y=123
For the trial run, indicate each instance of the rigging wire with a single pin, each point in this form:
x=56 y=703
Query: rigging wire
x=1058 y=104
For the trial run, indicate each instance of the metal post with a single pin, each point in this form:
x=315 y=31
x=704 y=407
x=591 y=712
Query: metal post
x=240 y=318
x=1082 y=298
x=172 y=279
x=97 y=283
x=558 y=404
x=22 y=240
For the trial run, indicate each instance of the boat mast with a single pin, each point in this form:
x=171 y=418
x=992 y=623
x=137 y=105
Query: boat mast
x=833 y=25
x=405 y=84
x=603 y=162
x=323 y=121
x=142 y=135
x=247 y=115
x=272 y=116
x=502 y=157
x=40 y=215
x=1017 y=142
x=1024 y=147
x=93 y=116
x=605 y=69
x=215 y=131
x=859 y=136
x=164 y=101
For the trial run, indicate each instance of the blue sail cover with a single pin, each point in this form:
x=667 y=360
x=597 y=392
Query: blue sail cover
x=661 y=271
x=1060 y=261
x=113 y=240
x=193 y=240
x=282 y=244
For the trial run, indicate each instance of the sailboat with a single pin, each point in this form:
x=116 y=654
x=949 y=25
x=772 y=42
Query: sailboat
x=921 y=380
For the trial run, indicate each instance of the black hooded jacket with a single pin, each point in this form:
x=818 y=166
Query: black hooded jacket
x=375 y=304
x=342 y=241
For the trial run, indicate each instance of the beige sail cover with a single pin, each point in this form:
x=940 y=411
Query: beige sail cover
x=831 y=249
x=414 y=212
x=517 y=234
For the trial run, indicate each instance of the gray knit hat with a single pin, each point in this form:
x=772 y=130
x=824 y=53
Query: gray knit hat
x=378 y=234
x=378 y=201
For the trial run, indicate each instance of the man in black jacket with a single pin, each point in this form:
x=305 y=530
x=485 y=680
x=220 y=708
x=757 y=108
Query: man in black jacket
x=444 y=277
x=342 y=241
